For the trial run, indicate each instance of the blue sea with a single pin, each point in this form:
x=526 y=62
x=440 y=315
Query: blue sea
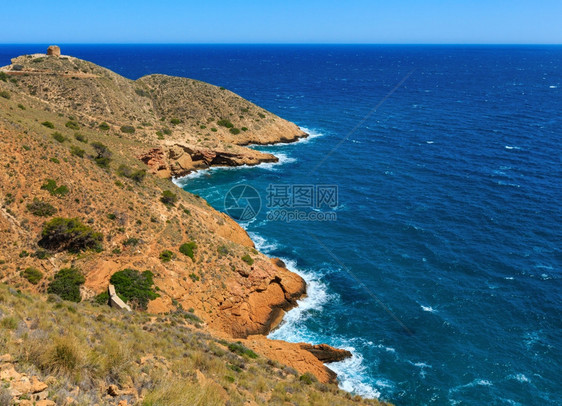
x=442 y=268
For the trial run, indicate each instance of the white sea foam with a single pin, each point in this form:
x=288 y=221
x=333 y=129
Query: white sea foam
x=511 y=147
x=352 y=377
x=291 y=328
x=283 y=159
x=428 y=309
x=351 y=372
x=553 y=87
x=430 y=142
x=262 y=244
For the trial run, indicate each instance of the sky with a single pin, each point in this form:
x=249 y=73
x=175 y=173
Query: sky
x=287 y=21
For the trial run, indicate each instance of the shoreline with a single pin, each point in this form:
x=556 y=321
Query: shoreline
x=329 y=354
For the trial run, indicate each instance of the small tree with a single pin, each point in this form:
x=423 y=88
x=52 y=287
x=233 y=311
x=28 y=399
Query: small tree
x=69 y=234
x=103 y=156
x=168 y=198
x=188 y=248
x=133 y=286
x=66 y=284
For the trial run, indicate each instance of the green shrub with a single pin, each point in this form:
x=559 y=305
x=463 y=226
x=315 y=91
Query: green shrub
x=3 y=76
x=102 y=298
x=103 y=156
x=167 y=131
x=79 y=152
x=225 y=123
x=222 y=88
x=244 y=128
x=66 y=284
x=59 y=137
x=261 y=115
x=69 y=234
x=41 y=254
x=135 y=287
x=48 y=124
x=128 y=129
x=213 y=129
x=79 y=137
x=248 y=259
x=51 y=186
x=73 y=125
x=54 y=160
x=104 y=126
x=131 y=241
x=307 y=378
x=40 y=208
x=136 y=175
x=21 y=106
x=5 y=94
x=33 y=275
x=234 y=131
x=188 y=248
x=111 y=216
x=202 y=126
x=168 y=198
x=175 y=121
x=194 y=277
x=166 y=256
x=240 y=349
x=142 y=93
x=9 y=323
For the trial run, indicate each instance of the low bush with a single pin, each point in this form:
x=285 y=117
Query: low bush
x=166 y=256
x=175 y=121
x=41 y=209
x=136 y=175
x=66 y=284
x=33 y=275
x=79 y=152
x=188 y=248
x=131 y=242
x=81 y=138
x=142 y=93
x=73 y=125
x=48 y=124
x=248 y=259
x=104 y=126
x=59 y=137
x=70 y=234
x=244 y=128
x=225 y=123
x=50 y=185
x=234 y=131
x=5 y=94
x=168 y=198
x=3 y=76
x=134 y=287
x=240 y=349
x=128 y=129
x=103 y=157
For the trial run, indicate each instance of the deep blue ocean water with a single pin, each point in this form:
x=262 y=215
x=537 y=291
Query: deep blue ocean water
x=442 y=272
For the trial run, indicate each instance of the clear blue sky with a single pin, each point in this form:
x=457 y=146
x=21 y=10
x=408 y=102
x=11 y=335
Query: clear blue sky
x=288 y=21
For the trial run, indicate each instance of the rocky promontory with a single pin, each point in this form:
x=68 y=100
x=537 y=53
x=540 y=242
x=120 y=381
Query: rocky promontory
x=88 y=161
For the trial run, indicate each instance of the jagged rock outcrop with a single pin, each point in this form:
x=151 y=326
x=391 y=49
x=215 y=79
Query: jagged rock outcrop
x=177 y=160
x=326 y=353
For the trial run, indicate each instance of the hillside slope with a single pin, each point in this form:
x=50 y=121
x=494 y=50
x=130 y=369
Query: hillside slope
x=85 y=185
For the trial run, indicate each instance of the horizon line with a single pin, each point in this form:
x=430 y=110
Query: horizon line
x=299 y=43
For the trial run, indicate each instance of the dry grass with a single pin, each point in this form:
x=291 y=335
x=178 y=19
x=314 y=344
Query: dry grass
x=166 y=362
